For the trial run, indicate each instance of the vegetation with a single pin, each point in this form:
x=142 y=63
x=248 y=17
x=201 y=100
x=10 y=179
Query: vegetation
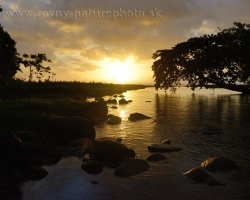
x=221 y=59
x=27 y=105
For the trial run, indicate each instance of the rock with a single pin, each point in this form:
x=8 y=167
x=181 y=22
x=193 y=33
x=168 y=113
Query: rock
x=10 y=150
x=218 y=164
x=114 y=120
x=31 y=137
x=129 y=101
x=166 y=142
x=121 y=95
x=112 y=101
x=96 y=111
x=69 y=128
x=115 y=96
x=78 y=151
x=92 y=167
x=123 y=101
x=137 y=116
x=131 y=167
x=162 y=148
x=148 y=101
x=199 y=174
x=156 y=157
x=49 y=155
x=107 y=149
x=36 y=173
x=114 y=107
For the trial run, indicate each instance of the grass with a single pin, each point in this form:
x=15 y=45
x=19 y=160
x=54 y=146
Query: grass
x=26 y=106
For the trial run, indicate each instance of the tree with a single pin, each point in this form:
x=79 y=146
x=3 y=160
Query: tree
x=221 y=59
x=9 y=58
x=33 y=62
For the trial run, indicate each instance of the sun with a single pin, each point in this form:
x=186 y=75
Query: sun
x=121 y=71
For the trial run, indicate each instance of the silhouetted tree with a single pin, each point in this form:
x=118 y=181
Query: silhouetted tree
x=9 y=58
x=34 y=63
x=222 y=59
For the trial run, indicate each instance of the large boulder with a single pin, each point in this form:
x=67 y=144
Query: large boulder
x=218 y=164
x=137 y=116
x=111 y=150
x=69 y=128
x=131 y=167
x=200 y=175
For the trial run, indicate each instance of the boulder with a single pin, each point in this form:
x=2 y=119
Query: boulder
x=92 y=167
x=162 y=148
x=114 y=120
x=69 y=128
x=112 y=101
x=218 y=164
x=111 y=150
x=114 y=107
x=137 y=116
x=123 y=101
x=155 y=157
x=31 y=137
x=96 y=111
x=131 y=167
x=200 y=175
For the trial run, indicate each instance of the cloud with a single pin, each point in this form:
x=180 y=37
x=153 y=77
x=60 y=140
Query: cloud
x=75 y=42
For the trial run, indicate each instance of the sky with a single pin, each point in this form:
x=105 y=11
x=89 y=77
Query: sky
x=111 y=41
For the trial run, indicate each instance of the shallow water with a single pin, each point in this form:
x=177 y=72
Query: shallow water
x=180 y=117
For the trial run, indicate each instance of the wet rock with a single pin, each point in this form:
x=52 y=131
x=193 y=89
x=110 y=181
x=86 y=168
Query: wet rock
x=137 y=116
x=92 y=167
x=162 y=148
x=69 y=128
x=114 y=107
x=123 y=101
x=129 y=101
x=156 y=157
x=121 y=95
x=200 y=175
x=166 y=142
x=114 y=120
x=36 y=173
x=218 y=164
x=78 y=151
x=106 y=149
x=131 y=167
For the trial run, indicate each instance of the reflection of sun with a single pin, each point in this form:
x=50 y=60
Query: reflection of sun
x=122 y=114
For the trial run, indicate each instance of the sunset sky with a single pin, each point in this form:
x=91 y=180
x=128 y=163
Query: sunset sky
x=112 y=40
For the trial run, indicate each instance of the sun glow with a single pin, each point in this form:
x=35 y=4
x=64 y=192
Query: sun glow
x=121 y=71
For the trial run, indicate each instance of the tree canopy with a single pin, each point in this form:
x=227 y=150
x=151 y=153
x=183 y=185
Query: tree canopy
x=222 y=59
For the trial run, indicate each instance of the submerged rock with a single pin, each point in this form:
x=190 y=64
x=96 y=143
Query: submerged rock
x=162 y=148
x=92 y=167
x=156 y=157
x=131 y=167
x=123 y=101
x=218 y=164
x=137 y=116
x=199 y=174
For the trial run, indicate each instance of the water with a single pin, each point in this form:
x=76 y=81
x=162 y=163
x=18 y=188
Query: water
x=180 y=117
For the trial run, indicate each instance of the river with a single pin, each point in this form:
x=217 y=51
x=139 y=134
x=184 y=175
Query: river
x=181 y=117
